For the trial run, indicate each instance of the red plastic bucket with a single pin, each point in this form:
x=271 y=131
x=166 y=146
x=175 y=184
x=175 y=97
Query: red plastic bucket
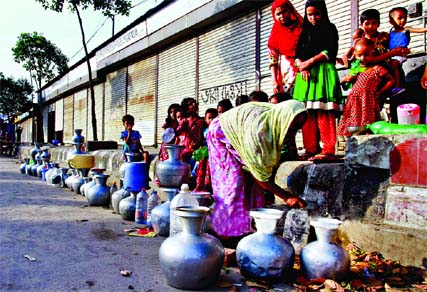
x=408 y=114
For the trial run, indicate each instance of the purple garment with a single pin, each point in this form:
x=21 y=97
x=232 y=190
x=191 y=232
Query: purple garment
x=234 y=190
x=135 y=136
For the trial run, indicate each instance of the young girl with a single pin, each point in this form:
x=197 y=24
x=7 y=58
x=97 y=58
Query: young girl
x=282 y=44
x=363 y=104
x=317 y=82
x=170 y=122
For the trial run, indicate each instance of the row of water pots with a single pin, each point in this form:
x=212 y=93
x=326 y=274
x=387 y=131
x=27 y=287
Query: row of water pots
x=192 y=259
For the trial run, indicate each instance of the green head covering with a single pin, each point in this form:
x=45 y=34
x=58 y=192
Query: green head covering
x=256 y=130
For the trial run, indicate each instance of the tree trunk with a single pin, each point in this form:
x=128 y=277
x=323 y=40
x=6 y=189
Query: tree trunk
x=40 y=134
x=92 y=90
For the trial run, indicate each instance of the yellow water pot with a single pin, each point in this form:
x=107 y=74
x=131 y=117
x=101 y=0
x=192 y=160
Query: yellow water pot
x=81 y=161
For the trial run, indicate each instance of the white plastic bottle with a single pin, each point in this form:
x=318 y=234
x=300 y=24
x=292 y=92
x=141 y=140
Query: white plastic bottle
x=183 y=198
x=153 y=201
x=141 y=207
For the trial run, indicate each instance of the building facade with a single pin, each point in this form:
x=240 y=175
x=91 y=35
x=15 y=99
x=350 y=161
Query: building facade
x=206 y=49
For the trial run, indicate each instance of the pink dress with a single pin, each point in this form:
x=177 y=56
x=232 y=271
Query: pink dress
x=234 y=190
x=362 y=105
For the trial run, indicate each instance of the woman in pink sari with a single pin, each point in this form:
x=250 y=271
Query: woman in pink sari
x=245 y=146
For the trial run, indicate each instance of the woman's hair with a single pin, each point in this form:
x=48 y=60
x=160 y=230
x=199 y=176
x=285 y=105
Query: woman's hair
x=370 y=14
x=225 y=104
x=174 y=106
x=184 y=105
x=281 y=96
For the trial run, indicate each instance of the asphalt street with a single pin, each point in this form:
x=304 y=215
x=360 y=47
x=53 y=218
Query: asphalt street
x=51 y=240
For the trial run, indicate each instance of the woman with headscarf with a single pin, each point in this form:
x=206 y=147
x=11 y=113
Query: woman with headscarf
x=282 y=45
x=317 y=83
x=245 y=146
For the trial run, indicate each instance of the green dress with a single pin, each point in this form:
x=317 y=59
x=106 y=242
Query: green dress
x=322 y=90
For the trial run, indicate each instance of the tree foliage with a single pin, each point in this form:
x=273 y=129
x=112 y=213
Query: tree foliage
x=108 y=8
x=14 y=95
x=43 y=59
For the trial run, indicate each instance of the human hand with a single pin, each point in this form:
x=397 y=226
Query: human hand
x=295 y=202
x=276 y=87
x=305 y=75
x=400 y=51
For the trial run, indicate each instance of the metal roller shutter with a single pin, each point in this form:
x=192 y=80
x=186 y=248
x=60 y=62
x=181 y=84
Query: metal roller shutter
x=227 y=62
x=80 y=111
x=176 y=78
x=27 y=130
x=68 y=118
x=141 y=98
x=418 y=40
x=99 y=113
x=115 y=101
x=59 y=115
x=266 y=24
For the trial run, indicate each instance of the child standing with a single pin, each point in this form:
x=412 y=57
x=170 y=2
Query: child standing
x=132 y=140
x=400 y=37
x=317 y=83
x=363 y=103
x=282 y=45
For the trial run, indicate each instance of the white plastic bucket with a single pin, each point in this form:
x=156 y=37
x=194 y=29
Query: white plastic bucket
x=408 y=114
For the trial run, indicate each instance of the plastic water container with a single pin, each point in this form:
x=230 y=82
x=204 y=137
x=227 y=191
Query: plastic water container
x=408 y=114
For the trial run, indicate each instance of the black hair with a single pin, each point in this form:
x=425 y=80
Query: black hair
x=184 y=105
x=128 y=118
x=212 y=111
x=241 y=99
x=175 y=106
x=393 y=10
x=258 y=95
x=281 y=96
x=370 y=14
x=225 y=104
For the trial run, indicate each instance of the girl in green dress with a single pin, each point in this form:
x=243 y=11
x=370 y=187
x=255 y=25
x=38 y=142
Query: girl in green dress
x=317 y=83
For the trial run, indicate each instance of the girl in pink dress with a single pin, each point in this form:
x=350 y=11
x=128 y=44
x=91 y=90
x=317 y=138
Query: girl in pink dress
x=363 y=103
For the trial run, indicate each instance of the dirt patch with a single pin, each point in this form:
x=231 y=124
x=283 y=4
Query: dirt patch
x=105 y=234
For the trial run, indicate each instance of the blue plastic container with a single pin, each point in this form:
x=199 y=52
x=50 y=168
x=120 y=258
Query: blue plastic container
x=136 y=176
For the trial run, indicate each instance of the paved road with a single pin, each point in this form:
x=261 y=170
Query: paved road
x=75 y=247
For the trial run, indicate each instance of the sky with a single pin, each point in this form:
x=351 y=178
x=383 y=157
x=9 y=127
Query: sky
x=62 y=29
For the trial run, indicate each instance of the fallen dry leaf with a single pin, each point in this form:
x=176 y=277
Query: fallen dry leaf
x=420 y=286
x=333 y=286
x=251 y=284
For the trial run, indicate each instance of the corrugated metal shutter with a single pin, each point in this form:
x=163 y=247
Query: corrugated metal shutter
x=176 y=78
x=99 y=113
x=266 y=24
x=417 y=43
x=80 y=110
x=141 y=98
x=68 y=118
x=27 y=131
x=59 y=115
x=227 y=62
x=115 y=99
